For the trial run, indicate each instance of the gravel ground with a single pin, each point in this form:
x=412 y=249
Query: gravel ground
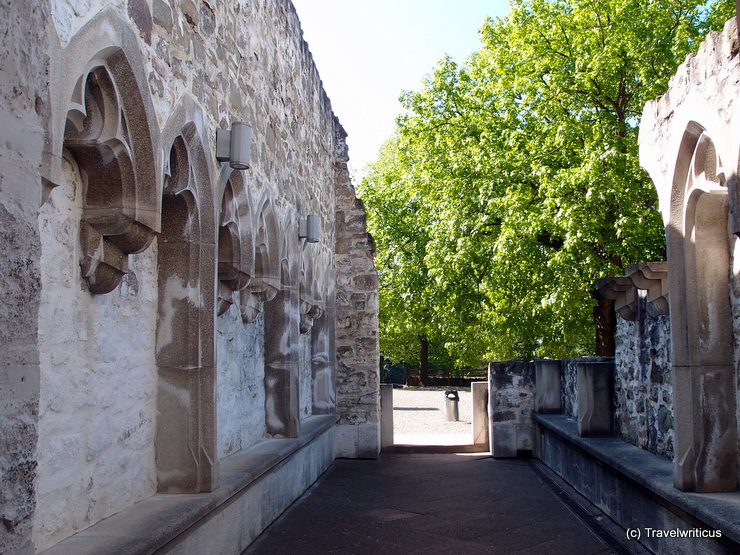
x=419 y=417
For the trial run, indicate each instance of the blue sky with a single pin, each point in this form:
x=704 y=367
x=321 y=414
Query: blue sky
x=368 y=51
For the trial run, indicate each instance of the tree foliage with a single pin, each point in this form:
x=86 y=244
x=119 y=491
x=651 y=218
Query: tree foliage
x=513 y=181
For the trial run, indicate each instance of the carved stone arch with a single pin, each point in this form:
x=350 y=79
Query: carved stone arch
x=701 y=318
x=103 y=121
x=282 y=320
x=311 y=289
x=106 y=40
x=185 y=446
x=117 y=204
x=186 y=124
x=266 y=281
x=236 y=248
x=323 y=358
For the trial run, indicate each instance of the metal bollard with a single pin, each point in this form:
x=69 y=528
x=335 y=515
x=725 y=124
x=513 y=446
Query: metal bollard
x=451 y=401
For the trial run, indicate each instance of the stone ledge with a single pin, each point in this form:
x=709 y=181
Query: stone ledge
x=719 y=511
x=151 y=524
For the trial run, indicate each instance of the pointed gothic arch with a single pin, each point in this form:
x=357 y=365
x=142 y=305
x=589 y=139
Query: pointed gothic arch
x=701 y=318
x=185 y=444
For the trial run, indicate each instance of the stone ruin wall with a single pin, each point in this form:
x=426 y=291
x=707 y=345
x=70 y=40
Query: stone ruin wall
x=358 y=358
x=226 y=62
x=643 y=388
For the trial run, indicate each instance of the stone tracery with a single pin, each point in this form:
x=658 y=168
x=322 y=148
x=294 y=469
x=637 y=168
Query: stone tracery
x=97 y=136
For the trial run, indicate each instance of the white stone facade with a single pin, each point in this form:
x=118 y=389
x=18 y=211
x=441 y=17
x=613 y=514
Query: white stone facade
x=177 y=320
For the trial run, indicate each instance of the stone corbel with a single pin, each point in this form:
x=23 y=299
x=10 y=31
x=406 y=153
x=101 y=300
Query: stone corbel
x=253 y=297
x=230 y=266
x=103 y=264
x=225 y=298
x=107 y=237
x=622 y=291
x=310 y=311
x=652 y=277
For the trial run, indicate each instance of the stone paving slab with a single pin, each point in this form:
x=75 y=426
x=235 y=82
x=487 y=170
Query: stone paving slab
x=429 y=503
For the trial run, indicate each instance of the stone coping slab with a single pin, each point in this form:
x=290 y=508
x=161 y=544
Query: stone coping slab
x=152 y=523
x=720 y=511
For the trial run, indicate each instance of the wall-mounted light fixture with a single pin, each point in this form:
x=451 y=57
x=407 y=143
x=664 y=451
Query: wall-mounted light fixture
x=235 y=146
x=310 y=228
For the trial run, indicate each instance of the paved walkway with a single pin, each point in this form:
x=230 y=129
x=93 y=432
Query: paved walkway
x=431 y=503
x=419 y=417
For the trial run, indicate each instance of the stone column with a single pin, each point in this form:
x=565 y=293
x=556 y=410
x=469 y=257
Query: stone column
x=185 y=445
x=479 y=392
x=282 y=321
x=323 y=364
x=548 y=393
x=25 y=67
x=386 y=415
x=595 y=398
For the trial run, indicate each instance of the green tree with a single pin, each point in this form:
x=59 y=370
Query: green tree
x=513 y=181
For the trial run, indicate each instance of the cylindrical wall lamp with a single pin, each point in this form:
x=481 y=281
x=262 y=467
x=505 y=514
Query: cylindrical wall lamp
x=313 y=228
x=310 y=228
x=235 y=146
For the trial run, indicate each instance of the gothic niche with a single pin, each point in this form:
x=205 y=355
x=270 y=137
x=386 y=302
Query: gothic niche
x=701 y=324
x=234 y=257
x=183 y=452
x=265 y=285
x=97 y=138
x=310 y=307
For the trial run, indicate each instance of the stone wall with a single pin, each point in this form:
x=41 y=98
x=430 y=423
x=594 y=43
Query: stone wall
x=358 y=359
x=97 y=409
x=162 y=312
x=240 y=396
x=510 y=407
x=643 y=404
x=24 y=107
x=569 y=385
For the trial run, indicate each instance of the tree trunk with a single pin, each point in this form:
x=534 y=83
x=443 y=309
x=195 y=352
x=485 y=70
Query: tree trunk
x=423 y=360
x=606 y=326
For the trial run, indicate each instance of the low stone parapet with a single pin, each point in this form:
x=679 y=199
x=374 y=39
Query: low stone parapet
x=635 y=488
x=227 y=519
x=595 y=390
x=510 y=407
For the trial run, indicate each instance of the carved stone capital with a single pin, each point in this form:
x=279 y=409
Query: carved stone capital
x=622 y=291
x=653 y=278
x=225 y=298
x=103 y=264
x=310 y=311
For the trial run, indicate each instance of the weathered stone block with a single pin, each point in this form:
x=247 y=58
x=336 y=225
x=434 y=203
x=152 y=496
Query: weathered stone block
x=548 y=388
x=503 y=439
x=162 y=14
x=595 y=405
x=479 y=392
